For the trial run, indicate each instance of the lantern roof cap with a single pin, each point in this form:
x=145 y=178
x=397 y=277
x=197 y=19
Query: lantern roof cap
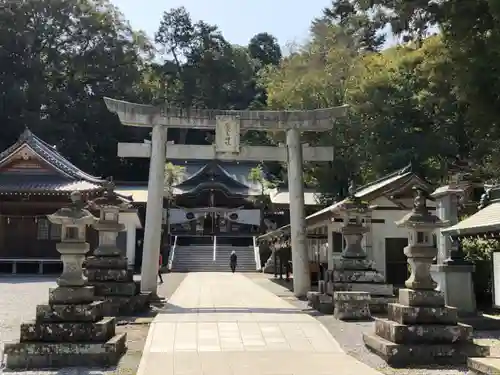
x=420 y=216
x=75 y=213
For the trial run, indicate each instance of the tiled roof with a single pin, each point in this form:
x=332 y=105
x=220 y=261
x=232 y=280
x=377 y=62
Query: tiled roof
x=482 y=222
x=25 y=183
x=50 y=155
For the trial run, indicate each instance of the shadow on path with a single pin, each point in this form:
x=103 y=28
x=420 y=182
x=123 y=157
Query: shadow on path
x=174 y=309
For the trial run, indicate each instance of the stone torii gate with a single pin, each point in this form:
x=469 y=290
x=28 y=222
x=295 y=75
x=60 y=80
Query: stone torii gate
x=227 y=124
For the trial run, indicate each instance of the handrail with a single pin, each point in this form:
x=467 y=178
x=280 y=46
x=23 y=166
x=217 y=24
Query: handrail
x=171 y=255
x=215 y=248
x=256 y=253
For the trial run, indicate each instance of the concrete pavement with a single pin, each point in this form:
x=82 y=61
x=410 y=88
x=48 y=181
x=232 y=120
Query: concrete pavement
x=222 y=323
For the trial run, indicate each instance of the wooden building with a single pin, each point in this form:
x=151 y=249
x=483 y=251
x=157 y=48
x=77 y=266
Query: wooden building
x=36 y=180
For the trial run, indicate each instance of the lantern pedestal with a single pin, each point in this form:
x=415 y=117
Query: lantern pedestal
x=108 y=272
x=71 y=329
x=421 y=330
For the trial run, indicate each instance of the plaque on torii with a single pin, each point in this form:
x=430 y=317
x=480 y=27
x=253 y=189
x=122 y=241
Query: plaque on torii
x=227 y=134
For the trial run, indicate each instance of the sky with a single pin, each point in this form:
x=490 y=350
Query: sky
x=239 y=21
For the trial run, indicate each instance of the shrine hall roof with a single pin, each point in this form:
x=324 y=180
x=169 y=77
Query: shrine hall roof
x=232 y=176
x=32 y=165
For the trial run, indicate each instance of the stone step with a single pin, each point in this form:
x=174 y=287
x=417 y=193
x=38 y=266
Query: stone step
x=215 y=268
x=43 y=355
x=92 y=312
x=421 y=334
x=200 y=259
x=402 y=355
x=219 y=261
x=100 y=331
x=484 y=366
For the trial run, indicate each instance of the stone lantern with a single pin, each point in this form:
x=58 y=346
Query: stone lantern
x=420 y=329
x=420 y=250
x=107 y=269
x=71 y=329
x=74 y=221
x=354 y=212
x=353 y=272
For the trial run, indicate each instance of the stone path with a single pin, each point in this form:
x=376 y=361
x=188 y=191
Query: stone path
x=222 y=323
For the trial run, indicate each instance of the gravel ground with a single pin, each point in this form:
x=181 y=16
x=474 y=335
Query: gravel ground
x=20 y=295
x=349 y=335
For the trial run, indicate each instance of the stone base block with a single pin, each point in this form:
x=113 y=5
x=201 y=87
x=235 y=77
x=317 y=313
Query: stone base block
x=99 y=331
x=422 y=314
x=41 y=355
x=111 y=289
x=372 y=288
x=352 y=305
x=411 y=297
x=126 y=306
x=422 y=334
x=109 y=274
x=71 y=295
x=106 y=262
x=403 y=355
x=358 y=276
x=378 y=305
x=352 y=264
x=484 y=366
x=92 y=312
x=321 y=302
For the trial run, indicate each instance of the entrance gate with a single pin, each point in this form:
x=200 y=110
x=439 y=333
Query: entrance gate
x=228 y=125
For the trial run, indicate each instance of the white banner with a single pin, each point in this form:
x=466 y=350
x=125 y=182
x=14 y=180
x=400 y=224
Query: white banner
x=179 y=216
x=249 y=217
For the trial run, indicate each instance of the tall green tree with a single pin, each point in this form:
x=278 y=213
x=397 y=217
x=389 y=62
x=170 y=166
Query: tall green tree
x=58 y=58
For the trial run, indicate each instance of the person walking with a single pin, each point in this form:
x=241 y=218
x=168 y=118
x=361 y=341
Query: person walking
x=233 y=261
x=160 y=260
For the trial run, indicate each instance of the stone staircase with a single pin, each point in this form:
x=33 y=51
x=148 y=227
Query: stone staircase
x=199 y=258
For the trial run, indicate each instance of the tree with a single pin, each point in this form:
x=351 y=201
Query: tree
x=173 y=175
x=362 y=27
x=320 y=75
x=58 y=59
x=201 y=69
x=264 y=48
x=258 y=177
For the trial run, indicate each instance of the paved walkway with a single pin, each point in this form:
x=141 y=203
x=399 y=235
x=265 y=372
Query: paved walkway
x=225 y=324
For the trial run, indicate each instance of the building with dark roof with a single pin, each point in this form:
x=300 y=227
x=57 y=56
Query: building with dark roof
x=36 y=180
